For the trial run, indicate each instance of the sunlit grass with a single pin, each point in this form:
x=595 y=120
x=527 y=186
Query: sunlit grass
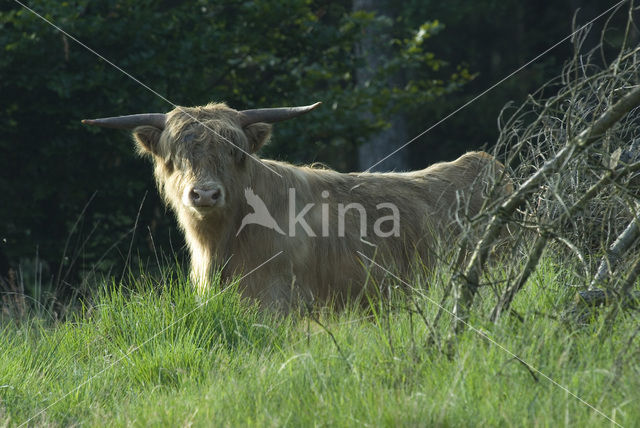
x=157 y=354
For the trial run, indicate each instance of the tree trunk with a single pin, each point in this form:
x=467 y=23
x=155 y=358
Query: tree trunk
x=386 y=142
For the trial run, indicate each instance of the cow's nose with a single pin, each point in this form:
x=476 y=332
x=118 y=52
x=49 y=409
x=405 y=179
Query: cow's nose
x=204 y=197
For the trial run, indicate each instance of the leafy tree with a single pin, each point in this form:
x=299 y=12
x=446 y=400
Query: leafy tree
x=494 y=38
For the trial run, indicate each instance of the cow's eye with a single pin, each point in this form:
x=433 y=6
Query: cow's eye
x=169 y=166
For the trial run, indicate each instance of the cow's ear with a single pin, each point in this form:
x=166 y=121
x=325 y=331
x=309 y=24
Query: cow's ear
x=147 y=138
x=258 y=134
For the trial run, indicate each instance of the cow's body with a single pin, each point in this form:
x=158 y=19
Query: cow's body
x=205 y=151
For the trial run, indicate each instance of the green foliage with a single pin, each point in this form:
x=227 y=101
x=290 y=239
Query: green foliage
x=131 y=339
x=156 y=354
x=247 y=53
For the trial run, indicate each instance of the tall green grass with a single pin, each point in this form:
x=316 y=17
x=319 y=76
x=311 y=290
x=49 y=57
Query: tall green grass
x=157 y=354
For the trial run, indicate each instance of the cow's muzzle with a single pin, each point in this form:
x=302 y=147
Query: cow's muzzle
x=204 y=196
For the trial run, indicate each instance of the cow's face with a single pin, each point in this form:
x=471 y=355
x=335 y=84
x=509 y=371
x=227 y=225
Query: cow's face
x=200 y=156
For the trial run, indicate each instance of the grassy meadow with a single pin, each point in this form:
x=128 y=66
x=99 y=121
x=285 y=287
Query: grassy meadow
x=152 y=353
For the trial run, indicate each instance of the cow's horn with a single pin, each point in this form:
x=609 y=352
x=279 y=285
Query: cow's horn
x=271 y=115
x=130 y=121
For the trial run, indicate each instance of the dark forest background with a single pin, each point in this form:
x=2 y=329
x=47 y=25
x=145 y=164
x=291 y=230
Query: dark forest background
x=76 y=201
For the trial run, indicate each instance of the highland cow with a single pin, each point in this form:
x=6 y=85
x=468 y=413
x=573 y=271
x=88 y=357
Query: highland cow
x=238 y=210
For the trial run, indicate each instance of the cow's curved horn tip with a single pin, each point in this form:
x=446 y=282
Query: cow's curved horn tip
x=314 y=105
x=88 y=121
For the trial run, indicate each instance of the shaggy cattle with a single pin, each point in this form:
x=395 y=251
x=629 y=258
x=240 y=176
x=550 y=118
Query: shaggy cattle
x=238 y=211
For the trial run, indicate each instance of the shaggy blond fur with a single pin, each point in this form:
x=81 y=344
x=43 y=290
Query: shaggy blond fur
x=188 y=154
